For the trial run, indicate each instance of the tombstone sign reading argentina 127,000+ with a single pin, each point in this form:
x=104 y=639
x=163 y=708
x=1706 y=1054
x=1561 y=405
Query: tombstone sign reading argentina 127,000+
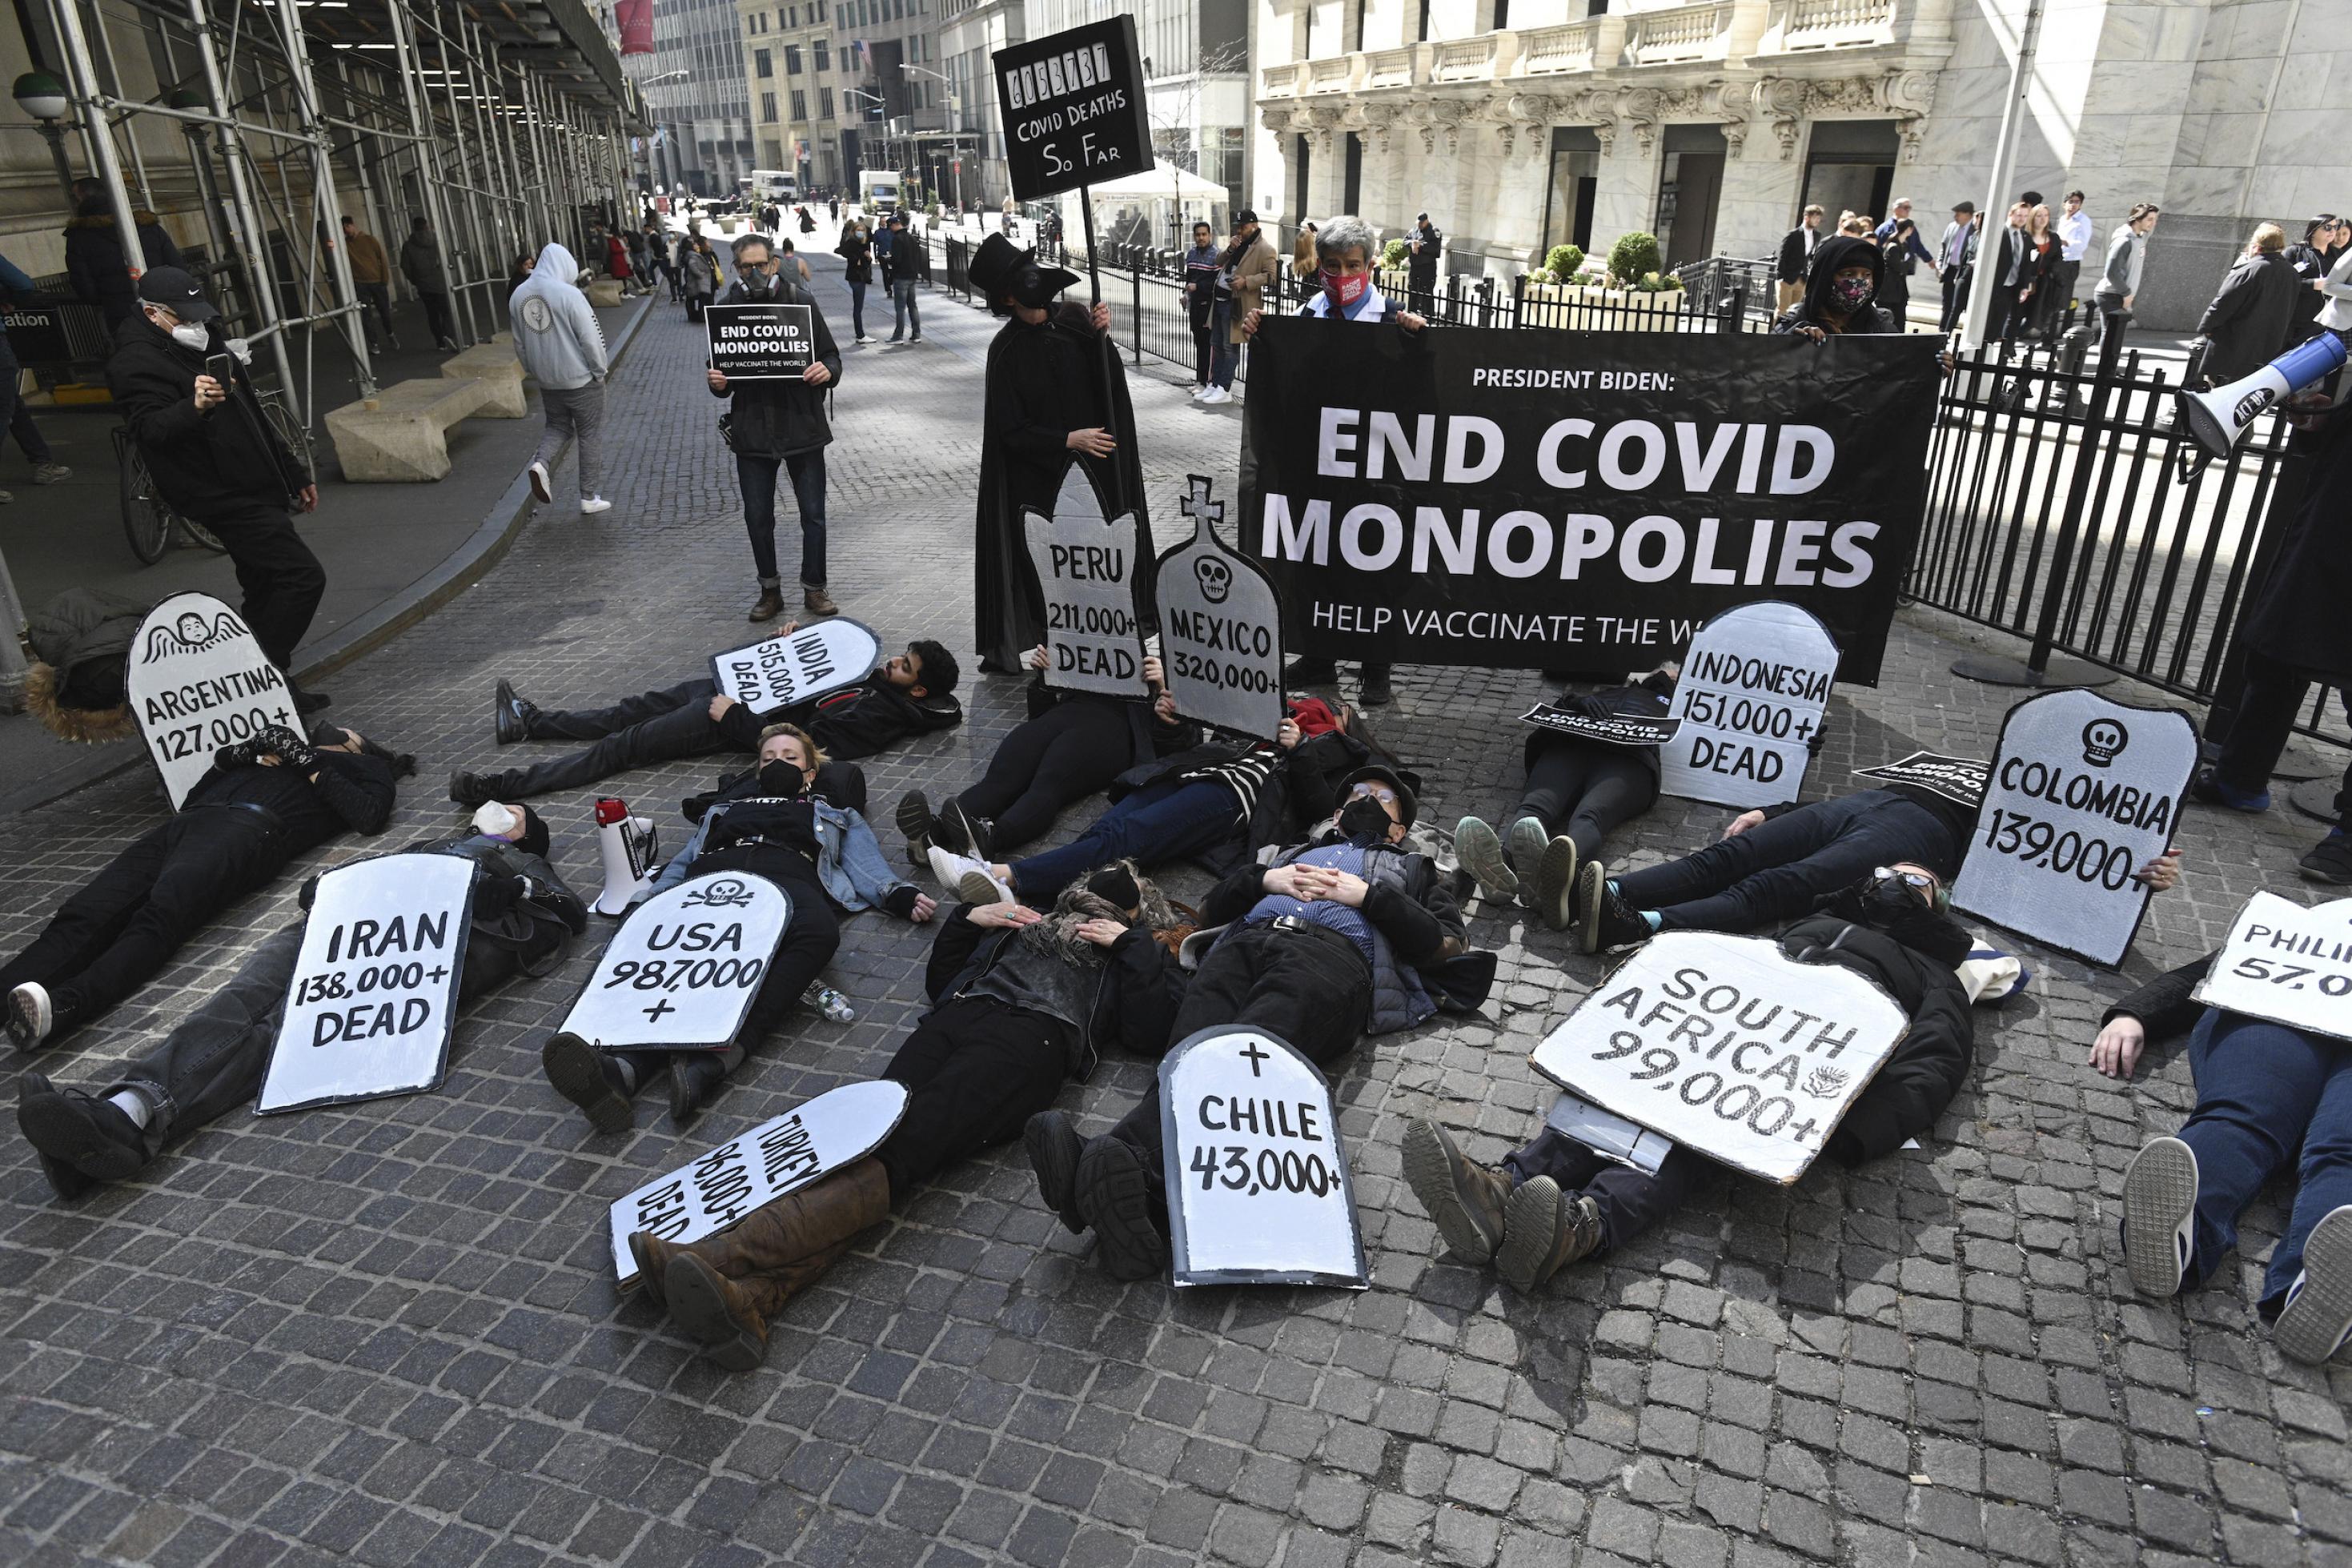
x=198 y=681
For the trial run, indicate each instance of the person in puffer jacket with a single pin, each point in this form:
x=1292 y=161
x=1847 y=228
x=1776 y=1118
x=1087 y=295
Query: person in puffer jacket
x=562 y=348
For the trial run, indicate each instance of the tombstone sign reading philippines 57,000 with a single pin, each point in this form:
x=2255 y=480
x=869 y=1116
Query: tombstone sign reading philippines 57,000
x=2287 y=964
x=1220 y=628
x=1750 y=697
x=198 y=681
x=2084 y=792
x=373 y=1000
x=1088 y=568
x=1258 y=1189
x=761 y=342
x=828 y=656
x=781 y=1154
x=1727 y=1046
x=682 y=971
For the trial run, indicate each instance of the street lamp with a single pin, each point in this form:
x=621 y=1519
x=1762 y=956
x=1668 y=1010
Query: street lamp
x=43 y=97
x=876 y=99
x=955 y=124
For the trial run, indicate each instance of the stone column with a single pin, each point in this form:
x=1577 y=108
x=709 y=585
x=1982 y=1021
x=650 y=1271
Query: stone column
x=1626 y=196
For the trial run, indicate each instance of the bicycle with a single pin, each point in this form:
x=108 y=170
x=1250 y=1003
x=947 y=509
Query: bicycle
x=149 y=520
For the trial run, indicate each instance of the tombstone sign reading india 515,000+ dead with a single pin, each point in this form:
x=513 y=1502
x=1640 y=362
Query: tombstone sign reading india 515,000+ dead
x=683 y=969
x=829 y=656
x=1220 y=628
x=1087 y=566
x=1750 y=697
x=198 y=681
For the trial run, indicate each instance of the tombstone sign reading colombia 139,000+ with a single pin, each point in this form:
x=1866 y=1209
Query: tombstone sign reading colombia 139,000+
x=683 y=969
x=815 y=661
x=198 y=681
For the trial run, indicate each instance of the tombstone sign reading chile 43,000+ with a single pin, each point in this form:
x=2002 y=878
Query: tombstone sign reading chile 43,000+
x=1220 y=628
x=198 y=681
x=681 y=972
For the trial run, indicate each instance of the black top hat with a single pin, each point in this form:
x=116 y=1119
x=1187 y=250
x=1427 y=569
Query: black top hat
x=999 y=271
x=174 y=289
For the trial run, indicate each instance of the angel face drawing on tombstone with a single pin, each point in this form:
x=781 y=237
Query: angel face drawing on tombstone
x=189 y=634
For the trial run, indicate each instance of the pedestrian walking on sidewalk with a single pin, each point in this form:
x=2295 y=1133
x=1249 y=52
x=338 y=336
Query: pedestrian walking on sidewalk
x=1958 y=250
x=371 y=275
x=901 y=266
x=562 y=348
x=2248 y=318
x=1200 y=303
x=779 y=425
x=2119 y=280
x=700 y=265
x=420 y=261
x=216 y=459
x=857 y=253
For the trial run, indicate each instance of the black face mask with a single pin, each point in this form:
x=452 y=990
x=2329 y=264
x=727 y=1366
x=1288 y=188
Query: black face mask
x=1891 y=905
x=757 y=282
x=781 y=778
x=1364 y=817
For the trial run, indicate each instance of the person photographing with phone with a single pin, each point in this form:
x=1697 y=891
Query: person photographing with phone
x=187 y=395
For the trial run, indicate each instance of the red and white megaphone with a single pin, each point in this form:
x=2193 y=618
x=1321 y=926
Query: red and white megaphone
x=631 y=847
x=2216 y=420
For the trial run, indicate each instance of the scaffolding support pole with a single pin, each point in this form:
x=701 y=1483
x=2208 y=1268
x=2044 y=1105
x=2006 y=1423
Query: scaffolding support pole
x=326 y=219
x=67 y=15
x=428 y=168
x=255 y=250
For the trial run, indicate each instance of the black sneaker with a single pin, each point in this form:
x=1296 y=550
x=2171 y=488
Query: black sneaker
x=511 y=715
x=915 y=821
x=1604 y=920
x=590 y=1080
x=1053 y=1148
x=470 y=789
x=1310 y=672
x=2330 y=860
x=955 y=822
x=694 y=1077
x=1114 y=1195
x=2210 y=788
x=1376 y=691
x=93 y=1139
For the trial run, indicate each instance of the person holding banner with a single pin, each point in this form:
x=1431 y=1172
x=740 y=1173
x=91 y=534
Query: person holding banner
x=774 y=424
x=264 y=802
x=1021 y=1002
x=913 y=694
x=773 y=822
x=1345 y=933
x=1839 y=290
x=1344 y=250
x=214 y=1060
x=1071 y=745
x=2270 y=1099
x=1055 y=393
x=1554 y=1202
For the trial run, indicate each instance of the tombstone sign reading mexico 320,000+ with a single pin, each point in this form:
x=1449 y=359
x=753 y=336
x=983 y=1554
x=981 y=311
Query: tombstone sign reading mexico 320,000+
x=1750 y=697
x=2083 y=793
x=1088 y=568
x=681 y=972
x=831 y=655
x=1220 y=628
x=198 y=681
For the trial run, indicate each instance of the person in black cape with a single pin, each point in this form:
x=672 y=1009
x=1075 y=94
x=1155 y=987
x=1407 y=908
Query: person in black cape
x=1054 y=395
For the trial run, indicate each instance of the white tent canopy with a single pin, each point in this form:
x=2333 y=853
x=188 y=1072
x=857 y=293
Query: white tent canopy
x=1161 y=182
x=1156 y=207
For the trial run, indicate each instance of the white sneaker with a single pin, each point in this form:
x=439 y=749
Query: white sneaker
x=862 y=340
x=2317 y=1317
x=591 y=504
x=1198 y=392
x=2159 y=1216
x=30 y=1015
x=538 y=486
x=1216 y=394
x=969 y=876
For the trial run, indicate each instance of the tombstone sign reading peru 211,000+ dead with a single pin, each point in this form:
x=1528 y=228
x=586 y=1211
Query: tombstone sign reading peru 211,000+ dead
x=1087 y=566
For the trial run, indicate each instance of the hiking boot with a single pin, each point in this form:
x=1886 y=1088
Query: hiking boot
x=1481 y=854
x=1603 y=917
x=31 y=1015
x=1465 y=1199
x=817 y=602
x=723 y=1288
x=1545 y=1231
x=509 y=714
x=1557 y=882
x=470 y=789
x=1375 y=690
x=977 y=833
x=590 y=1080
x=915 y=821
x=92 y=1139
x=1113 y=1194
x=1303 y=671
x=770 y=604
x=2330 y=860
x=1525 y=842
x=694 y=1077
x=1053 y=1148
x=2159 y=1222
x=2317 y=1317
x=2210 y=786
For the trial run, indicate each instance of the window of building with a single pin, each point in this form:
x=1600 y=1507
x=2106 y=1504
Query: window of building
x=800 y=104
x=795 y=12
x=824 y=57
x=791 y=59
x=824 y=103
x=761 y=65
x=767 y=106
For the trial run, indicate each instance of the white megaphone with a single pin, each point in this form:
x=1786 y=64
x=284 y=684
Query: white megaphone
x=2217 y=419
x=631 y=847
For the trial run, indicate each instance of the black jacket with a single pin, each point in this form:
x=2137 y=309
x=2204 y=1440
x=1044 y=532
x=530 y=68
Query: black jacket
x=95 y=267
x=781 y=419
x=354 y=791
x=2296 y=615
x=1297 y=795
x=1421 y=266
x=524 y=914
x=1147 y=736
x=1135 y=1000
x=1932 y=1060
x=1840 y=251
x=225 y=459
x=2248 y=319
x=2162 y=1006
x=421 y=264
x=1793 y=259
x=843 y=783
x=857 y=259
x=903 y=263
x=871 y=717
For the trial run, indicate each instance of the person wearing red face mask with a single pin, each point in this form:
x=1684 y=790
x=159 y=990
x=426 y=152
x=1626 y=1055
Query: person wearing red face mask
x=1344 y=248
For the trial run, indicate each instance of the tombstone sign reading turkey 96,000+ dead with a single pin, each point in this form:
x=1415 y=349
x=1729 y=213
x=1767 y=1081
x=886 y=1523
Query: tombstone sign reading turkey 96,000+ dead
x=1087 y=566
x=1220 y=628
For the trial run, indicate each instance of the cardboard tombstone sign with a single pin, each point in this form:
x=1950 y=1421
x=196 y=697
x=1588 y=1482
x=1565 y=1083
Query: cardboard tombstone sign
x=826 y=656
x=197 y=681
x=1750 y=698
x=1617 y=729
x=761 y=342
x=2084 y=792
x=1088 y=568
x=1258 y=1188
x=1727 y=1046
x=1220 y=627
x=2287 y=964
x=1073 y=107
x=1958 y=779
x=682 y=971
x=781 y=1154
x=373 y=1000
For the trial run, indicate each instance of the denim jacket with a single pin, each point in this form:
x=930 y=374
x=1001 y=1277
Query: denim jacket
x=849 y=863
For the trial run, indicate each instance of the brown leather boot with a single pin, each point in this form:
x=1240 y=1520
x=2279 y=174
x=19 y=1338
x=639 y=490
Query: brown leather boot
x=771 y=605
x=730 y=1316
x=801 y=1223
x=1544 y=1232
x=817 y=602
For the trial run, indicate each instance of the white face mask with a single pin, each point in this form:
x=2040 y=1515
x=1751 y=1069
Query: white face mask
x=498 y=820
x=191 y=335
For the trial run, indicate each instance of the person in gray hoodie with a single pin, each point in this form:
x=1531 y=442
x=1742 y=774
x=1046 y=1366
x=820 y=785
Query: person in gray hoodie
x=2119 y=280
x=562 y=347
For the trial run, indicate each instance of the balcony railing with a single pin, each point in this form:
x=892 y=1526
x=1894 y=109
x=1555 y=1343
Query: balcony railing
x=1544 y=50
x=1686 y=33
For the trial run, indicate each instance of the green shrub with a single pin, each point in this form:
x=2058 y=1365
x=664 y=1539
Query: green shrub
x=1633 y=256
x=1393 y=254
x=1563 y=262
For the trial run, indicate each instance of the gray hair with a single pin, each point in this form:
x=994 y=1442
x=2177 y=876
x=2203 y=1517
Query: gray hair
x=743 y=240
x=1346 y=232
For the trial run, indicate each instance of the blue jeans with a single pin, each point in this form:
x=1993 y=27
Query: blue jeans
x=758 y=477
x=902 y=310
x=2269 y=1098
x=1147 y=827
x=1224 y=354
x=856 y=308
x=1630 y=1201
x=1777 y=869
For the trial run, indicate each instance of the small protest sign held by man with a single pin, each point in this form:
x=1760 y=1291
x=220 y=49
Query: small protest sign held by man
x=1751 y=699
x=781 y=1155
x=813 y=660
x=1959 y=780
x=1258 y=1189
x=1088 y=567
x=1220 y=627
x=761 y=342
x=682 y=971
x=198 y=681
x=373 y=1000
x=1727 y=1046
x=2287 y=964
x=2083 y=793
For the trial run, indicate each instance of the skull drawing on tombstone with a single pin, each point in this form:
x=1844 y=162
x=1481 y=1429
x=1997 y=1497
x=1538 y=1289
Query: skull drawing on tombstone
x=2102 y=741
x=1216 y=578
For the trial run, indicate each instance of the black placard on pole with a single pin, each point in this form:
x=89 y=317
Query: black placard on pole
x=1074 y=108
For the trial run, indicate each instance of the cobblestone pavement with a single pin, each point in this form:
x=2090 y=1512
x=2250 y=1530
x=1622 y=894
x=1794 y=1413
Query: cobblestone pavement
x=390 y=1335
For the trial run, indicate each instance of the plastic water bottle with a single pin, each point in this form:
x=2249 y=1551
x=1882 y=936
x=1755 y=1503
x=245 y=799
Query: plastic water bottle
x=830 y=1002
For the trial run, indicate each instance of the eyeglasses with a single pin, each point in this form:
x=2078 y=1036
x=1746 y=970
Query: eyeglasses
x=1918 y=879
x=1380 y=792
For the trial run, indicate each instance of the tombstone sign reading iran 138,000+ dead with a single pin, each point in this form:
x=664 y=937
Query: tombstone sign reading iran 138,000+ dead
x=1087 y=566
x=1220 y=628
x=198 y=681
x=1750 y=697
x=681 y=972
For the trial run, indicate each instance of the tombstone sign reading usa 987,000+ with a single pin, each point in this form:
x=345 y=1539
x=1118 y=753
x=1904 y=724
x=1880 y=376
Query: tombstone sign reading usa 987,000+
x=2083 y=793
x=781 y=1154
x=198 y=681
x=1727 y=1046
x=830 y=655
x=1075 y=108
x=682 y=971
x=373 y=1000
x=1088 y=568
x=1750 y=697
x=1220 y=628
x=1258 y=1189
